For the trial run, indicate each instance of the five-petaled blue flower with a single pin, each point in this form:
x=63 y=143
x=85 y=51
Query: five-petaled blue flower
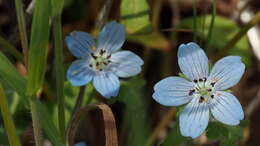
x=203 y=91
x=101 y=62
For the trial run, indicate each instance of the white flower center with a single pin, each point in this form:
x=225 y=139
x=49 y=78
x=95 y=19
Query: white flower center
x=100 y=60
x=204 y=90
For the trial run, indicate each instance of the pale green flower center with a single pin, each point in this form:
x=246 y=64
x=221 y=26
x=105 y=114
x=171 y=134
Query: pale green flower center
x=204 y=90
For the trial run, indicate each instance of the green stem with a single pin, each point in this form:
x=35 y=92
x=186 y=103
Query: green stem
x=8 y=121
x=22 y=28
x=254 y=21
x=195 y=20
x=57 y=31
x=36 y=123
x=8 y=47
x=213 y=14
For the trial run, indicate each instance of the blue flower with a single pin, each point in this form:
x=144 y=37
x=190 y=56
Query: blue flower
x=203 y=92
x=101 y=62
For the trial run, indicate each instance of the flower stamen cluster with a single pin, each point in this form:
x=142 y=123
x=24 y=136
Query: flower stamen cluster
x=100 y=60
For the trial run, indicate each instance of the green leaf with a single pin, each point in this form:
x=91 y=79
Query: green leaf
x=8 y=120
x=38 y=46
x=134 y=15
x=10 y=76
x=136 y=111
x=57 y=6
x=151 y=40
x=8 y=47
x=223 y=31
x=227 y=135
x=48 y=125
x=216 y=131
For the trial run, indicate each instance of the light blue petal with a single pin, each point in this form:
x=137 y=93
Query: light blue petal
x=107 y=84
x=193 y=61
x=112 y=37
x=227 y=72
x=80 y=44
x=172 y=91
x=79 y=73
x=125 y=63
x=80 y=144
x=226 y=108
x=194 y=118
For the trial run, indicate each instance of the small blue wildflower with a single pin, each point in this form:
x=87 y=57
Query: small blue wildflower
x=101 y=63
x=203 y=91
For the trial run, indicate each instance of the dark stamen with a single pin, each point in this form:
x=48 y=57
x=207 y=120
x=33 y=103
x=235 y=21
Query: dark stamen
x=191 y=92
x=195 y=81
x=105 y=63
x=212 y=84
x=209 y=90
x=90 y=65
x=100 y=69
x=108 y=61
x=97 y=64
x=200 y=80
x=204 y=79
x=102 y=52
x=201 y=99
x=108 y=56
x=92 y=54
x=212 y=96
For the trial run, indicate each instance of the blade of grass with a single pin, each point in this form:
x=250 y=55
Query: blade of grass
x=8 y=47
x=22 y=28
x=37 y=60
x=48 y=125
x=8 y=121
x=11 y=77
x=254 y=21
x=38 y=46
x=57 y=6
x=213 y=14
x=195 y=20
x=36 y=122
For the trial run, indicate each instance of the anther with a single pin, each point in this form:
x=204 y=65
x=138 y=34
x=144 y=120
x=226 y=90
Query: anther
x=108 y=61
x=90 y=65
x=200 y=80
x=195 y=81
x=209 y=90
x=97 y=64
x=201 y=99
x=109 y=56
x=204 y=79
x=212 y=96
x=191 y=92
x=100 y=69
x=212 y=84
x=102 y=52
x=92 y=54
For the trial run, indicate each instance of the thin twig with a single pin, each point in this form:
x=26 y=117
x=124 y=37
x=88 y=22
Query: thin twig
x=253 y=104
x=75 y=110
x=161 y=126
x=103 y=15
